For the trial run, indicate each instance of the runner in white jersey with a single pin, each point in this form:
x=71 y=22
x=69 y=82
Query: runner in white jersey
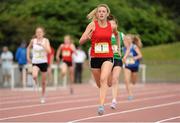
x=39 y=53
x=41 y=47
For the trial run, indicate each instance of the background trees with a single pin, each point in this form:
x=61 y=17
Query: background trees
x=155 y=21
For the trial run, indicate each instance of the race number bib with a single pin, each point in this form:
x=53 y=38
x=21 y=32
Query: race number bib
x=115 y=48
x=101 y=48
x=130 y=60
x=66 y=53
x=38 y=54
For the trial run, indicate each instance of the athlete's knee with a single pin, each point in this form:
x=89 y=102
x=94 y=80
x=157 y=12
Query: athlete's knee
x=63 y=73
x=43 y=78
x=126 y=80
x=133 y=82
x=114 y=80
x=35 y=76
x=43 y=82
x=98 y=85
x=103 y=80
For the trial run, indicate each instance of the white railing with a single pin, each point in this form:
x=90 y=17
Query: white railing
x=55 y=67
x=24 y=77
x=143 y=76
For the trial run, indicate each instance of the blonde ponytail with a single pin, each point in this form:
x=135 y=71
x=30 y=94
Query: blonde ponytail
x=92 y=14
x=137 y=41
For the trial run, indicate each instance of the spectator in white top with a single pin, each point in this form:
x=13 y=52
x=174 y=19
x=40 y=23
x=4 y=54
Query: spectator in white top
x=6 y=62
x=79 y=57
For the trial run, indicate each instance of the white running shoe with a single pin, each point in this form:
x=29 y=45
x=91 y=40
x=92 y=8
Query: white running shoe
x=113 y=105
x=42 y=100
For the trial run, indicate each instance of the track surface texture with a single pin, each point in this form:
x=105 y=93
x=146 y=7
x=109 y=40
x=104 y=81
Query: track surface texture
x=151 y=103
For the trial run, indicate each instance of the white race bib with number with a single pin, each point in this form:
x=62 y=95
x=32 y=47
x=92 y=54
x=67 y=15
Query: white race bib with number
x=130 y=60
x=66 y=53
x=38 y=54
x=101 y=47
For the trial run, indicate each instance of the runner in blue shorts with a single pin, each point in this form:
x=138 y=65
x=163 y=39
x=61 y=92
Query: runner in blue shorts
x=132 y=62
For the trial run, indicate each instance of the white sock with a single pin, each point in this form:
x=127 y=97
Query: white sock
x=114 y=100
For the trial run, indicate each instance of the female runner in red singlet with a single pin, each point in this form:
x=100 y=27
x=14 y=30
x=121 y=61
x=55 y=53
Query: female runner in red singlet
x=100 y=31
x=66 y=50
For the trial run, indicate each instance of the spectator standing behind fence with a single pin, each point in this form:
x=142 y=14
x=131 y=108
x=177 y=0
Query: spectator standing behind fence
x=79 y=59
x=6 y=62
x=20 y=56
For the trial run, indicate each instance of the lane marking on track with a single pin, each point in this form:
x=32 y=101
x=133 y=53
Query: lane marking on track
x=127 y=111
x=79 y=100
x=30 y=96
x=168 y=119
x=64 y=97
x=84 y=107
x=52 y=98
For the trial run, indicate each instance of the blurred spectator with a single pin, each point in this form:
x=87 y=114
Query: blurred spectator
x=6 y=62
x=79 y=57
x=20 y=56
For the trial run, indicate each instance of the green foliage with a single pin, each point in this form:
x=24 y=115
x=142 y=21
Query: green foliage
x=19 y=18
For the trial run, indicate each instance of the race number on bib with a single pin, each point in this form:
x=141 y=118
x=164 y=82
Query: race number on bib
x=130 y=60
x=66 y=53
x=115 y=48
x=101 y=48
x=38 y=54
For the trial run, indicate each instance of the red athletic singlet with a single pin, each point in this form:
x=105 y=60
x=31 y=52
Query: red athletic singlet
x=67 y=53
x=101 y=41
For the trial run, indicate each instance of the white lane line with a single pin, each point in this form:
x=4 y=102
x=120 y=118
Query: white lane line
x=127 y=111
x=35 y=96
x=84 y=107
x=168 y=119
x=64 y=97
x=30 y=96
x=79 y=100
x=51 y=98
x=146 y=86
x=14 y=93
